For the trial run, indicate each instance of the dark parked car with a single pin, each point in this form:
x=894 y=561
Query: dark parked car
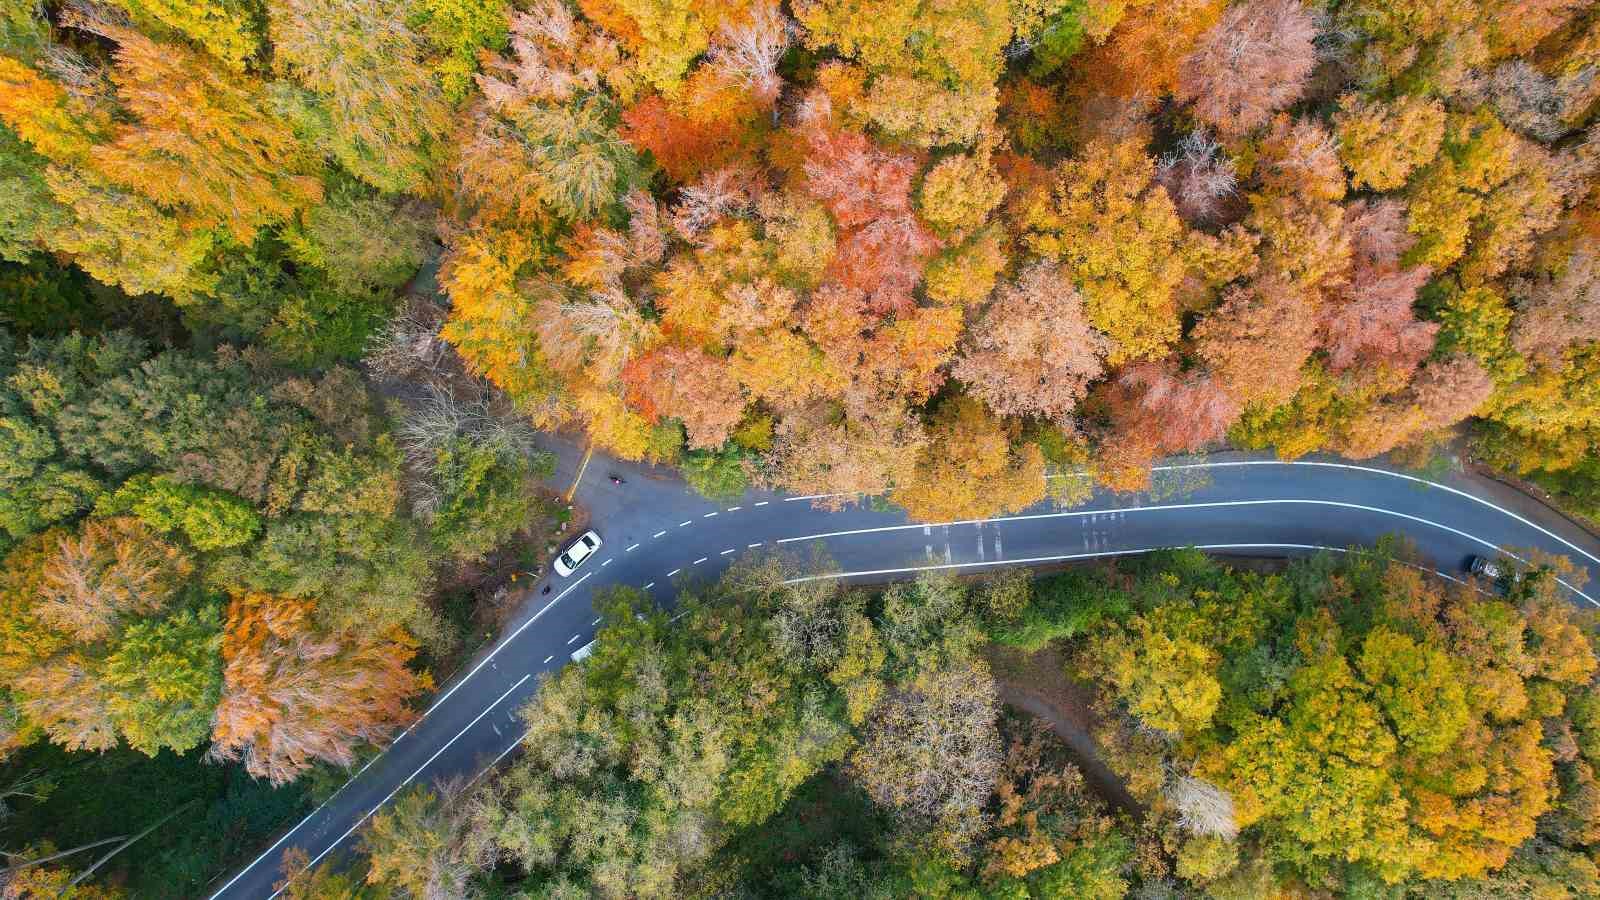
x=1502 y=572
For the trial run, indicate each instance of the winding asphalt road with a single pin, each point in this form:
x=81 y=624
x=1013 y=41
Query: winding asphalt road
x=657 y=533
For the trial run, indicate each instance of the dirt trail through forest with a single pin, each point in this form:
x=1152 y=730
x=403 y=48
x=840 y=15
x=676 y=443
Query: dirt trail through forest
x=1038 y=684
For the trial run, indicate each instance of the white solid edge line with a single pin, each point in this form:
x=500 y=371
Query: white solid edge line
x=514 y=745
x=1205 y=465
x=409 y=778
x=287 y=834
x=1093 y=555
x=502 y=645
x=1096 y=554
x=463 y=680
x=1322 y=464
x=1373 y=470
x=1214 y=504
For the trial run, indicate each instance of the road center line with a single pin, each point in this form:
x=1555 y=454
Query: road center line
x=1239 y=463
x=1235 y=463
x=409 y=778
x=1096 y=555
x=1204 y=465
x=1215 y=504
x=498 y=647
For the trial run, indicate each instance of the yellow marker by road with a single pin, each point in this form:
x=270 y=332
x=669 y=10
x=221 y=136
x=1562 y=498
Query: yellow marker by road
x=588 y=451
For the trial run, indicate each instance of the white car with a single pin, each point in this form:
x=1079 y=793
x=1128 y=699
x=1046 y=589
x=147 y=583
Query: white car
x=576 y=552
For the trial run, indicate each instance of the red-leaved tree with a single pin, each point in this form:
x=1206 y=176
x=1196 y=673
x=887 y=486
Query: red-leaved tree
x=1033 y=351
x=1252 y=63
x=1156 y=409
x=292 y=697
x=882 y=246
x=687 y=384
x=1259 y=338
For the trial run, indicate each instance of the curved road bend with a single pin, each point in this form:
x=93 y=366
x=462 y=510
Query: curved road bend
x=657 y=532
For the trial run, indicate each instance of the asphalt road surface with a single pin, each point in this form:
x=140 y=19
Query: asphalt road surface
x=657 y=532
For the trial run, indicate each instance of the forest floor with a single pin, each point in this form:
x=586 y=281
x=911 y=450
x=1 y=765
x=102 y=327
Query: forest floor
x=1037 y=683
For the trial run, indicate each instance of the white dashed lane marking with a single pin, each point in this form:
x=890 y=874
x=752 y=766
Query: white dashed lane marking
x=685 y=523
x=698 y=561
x=658 y=534
x=673 y=572
x=571 y=639
x=1093 y=515
x=650 y=585
x=733 y=509
x=708 y=515
x=727 y=551
x=548 y=658
x=763 y=502
x=631 y=549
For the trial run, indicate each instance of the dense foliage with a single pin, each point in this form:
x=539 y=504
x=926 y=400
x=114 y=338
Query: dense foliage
x=931 y=250
x=1346 y=725
x=206 y=549
x=816 y=244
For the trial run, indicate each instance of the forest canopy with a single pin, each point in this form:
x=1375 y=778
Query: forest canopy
x=1345 y=726
x=286 y=286
x=818 y=244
